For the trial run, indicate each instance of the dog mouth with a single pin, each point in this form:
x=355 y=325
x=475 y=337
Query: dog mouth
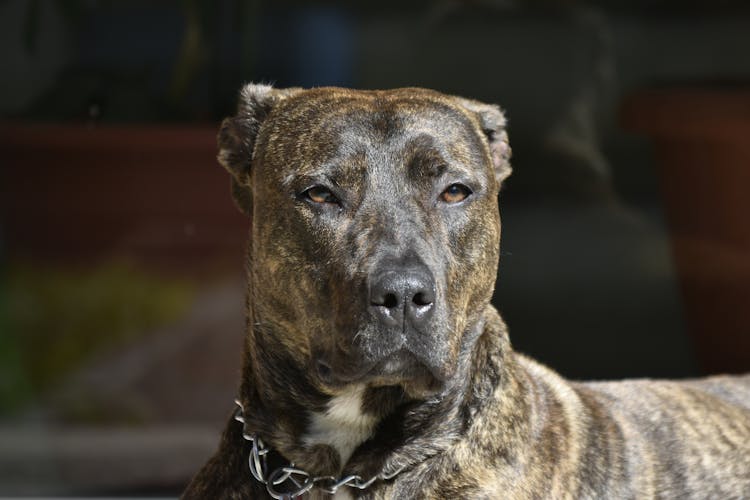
x=401 y=367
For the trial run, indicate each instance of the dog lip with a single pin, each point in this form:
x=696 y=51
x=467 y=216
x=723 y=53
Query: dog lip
x=332 y=375
x=400 y=365
x=396 y=361
x=324 y=370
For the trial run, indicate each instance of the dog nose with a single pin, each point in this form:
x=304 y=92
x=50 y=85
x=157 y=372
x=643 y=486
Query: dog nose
x=403 y=295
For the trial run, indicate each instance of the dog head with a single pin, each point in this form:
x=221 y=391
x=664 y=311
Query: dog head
x=375 y=236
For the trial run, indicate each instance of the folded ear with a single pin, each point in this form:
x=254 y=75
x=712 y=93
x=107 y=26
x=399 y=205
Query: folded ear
x=237 y=135
x=492 y=120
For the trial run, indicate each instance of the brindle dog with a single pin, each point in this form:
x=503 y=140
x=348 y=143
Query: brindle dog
x=373 y=350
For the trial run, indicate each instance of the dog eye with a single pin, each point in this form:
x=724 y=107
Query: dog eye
x=455 y=193
x=320 y=194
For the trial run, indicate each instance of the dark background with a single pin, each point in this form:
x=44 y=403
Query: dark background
x=122 y=265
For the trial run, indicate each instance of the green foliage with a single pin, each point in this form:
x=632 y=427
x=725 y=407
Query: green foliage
x=53 y=320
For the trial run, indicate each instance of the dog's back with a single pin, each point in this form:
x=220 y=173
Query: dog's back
x=646 y=438
x=688 y=439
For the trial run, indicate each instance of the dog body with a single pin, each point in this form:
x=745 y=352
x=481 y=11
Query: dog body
x=373 y=350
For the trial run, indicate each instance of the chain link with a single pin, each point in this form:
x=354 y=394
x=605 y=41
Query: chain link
x=289 y=482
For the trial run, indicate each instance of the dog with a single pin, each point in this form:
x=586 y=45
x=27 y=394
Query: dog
x=375 y=366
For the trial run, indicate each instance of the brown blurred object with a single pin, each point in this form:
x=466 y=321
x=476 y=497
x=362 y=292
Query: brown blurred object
x=152 y=194
x=701 y=140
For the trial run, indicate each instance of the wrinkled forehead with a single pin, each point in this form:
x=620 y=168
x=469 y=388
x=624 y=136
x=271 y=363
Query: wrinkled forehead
x=317 y=131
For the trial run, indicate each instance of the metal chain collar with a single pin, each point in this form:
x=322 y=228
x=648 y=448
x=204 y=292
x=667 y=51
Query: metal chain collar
x=289 y=482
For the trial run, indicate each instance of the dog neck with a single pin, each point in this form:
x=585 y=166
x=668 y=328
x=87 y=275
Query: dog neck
x=369 y=431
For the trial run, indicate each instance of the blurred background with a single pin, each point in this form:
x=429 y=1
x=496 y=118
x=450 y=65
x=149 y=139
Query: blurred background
x=626 y=241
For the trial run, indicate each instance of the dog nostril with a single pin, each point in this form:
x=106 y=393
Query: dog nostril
x=421 y=299
x=390 y=301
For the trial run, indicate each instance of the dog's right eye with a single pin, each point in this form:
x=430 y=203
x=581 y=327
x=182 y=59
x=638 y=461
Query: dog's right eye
x=320 y=194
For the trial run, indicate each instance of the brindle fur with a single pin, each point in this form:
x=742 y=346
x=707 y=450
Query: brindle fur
x=482 y=421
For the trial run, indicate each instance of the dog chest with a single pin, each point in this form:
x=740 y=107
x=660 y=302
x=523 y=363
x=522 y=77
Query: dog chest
x=343 y=425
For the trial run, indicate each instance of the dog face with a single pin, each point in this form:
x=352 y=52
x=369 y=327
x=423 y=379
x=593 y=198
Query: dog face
x=375 y=235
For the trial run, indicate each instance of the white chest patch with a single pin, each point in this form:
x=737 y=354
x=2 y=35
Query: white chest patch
x=343 y=425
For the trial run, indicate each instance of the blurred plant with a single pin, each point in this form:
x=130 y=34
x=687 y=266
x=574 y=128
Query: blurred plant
x=54 y=320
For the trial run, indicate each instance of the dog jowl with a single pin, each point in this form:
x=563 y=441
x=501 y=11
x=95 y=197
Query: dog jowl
x=372 y=350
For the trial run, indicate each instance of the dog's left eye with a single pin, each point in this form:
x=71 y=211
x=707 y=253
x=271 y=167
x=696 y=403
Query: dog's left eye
x=320 y=194
x=455 y=193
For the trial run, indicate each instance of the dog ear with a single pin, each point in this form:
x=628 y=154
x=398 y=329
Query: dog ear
x=237 y=135
x=493 y=122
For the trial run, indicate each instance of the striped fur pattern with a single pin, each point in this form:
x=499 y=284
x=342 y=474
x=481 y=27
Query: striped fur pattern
x=451 y=404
